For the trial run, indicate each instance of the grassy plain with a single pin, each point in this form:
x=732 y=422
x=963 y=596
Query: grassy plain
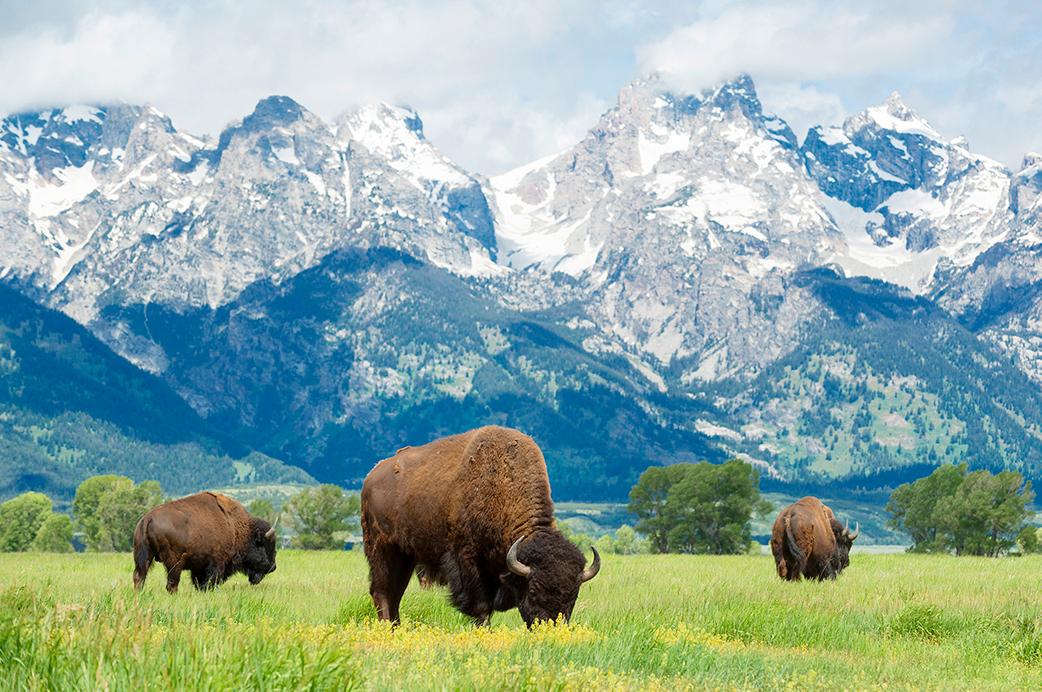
x=667 y=622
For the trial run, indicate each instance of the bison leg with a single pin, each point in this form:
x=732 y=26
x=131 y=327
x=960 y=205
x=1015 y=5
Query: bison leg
x=389 y=572
x=173 y=574
x=468 y=591
x=205 y=578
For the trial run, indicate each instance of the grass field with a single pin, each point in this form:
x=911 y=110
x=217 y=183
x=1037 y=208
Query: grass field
x=669 y=622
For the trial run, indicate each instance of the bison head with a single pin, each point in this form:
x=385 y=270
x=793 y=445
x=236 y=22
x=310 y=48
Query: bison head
x=844 y=540
x=259 y=559
x=546 y=571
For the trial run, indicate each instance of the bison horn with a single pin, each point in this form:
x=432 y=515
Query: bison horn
x=271 y=532
x=857 y=530
x=513 y=564
x=595 y=567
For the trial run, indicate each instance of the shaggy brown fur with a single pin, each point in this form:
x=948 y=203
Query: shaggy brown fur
x=210 y=535
x=453 y=508
x=807 y=541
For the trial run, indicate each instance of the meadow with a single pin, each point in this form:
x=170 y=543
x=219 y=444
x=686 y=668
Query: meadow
x=647 y=622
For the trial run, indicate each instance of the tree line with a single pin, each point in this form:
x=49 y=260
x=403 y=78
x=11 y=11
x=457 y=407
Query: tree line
x=700 y=508
x=107 y=508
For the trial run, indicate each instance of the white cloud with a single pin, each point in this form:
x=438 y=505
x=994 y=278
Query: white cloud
x=499 y=84
x=802 y=105
x=798 y=41
x=462 y=64
x=969 y=69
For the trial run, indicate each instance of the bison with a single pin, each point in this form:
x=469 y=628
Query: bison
x=472 y=512
x=210 y=535
x=807 y=541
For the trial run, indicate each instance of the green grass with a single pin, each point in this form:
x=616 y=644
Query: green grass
x=897 y=621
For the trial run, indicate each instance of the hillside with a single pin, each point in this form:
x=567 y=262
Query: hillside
x=70 y=408
x=883 y=387
x=345 y=363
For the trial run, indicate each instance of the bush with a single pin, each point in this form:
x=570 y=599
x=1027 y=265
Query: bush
x=1027 y=540
x=581 y=540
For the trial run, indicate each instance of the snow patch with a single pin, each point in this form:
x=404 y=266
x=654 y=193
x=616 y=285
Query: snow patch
x=862 y=257
x=286 y=155
x=81 y=112
x=663 y=142
x=50 y=200
x=713 y=430
x=316 y=182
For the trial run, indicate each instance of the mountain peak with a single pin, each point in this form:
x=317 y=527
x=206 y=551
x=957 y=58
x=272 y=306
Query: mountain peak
x=384 y=117
x=894 y=115
x=273 y=111
x=896 y=106
x=1032 y=159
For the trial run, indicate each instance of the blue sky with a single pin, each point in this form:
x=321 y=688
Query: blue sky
x=498 y=85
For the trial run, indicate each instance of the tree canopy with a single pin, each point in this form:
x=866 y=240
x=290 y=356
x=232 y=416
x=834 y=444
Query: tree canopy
x=698 y=508
x=320 y=513
x=27 y=523
x=968 y=513
x=20 y=520
x=107 y=508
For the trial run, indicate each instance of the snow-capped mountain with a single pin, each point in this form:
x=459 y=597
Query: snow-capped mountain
x=909 y=201
x=114 y=205
x=322 y=286
x=680 y=216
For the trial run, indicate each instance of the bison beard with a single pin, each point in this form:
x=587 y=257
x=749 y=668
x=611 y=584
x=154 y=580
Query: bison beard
x=471 y=511
x=807 y=541
x=210 y=535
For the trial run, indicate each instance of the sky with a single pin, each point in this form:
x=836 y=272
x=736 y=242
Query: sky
x=500 y=84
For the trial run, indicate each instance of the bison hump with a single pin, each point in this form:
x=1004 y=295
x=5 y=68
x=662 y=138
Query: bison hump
x=225 y=503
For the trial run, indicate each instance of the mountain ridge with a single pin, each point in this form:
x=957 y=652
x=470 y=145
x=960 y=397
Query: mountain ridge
x=663 y=258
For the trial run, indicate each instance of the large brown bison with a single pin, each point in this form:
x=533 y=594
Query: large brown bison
x=473 y=511
x=210 y=535
x=807 y=541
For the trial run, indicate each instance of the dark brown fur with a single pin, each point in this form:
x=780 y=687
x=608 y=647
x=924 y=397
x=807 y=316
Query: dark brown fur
x=453 y=508
x=807 y=541
x=210 y=535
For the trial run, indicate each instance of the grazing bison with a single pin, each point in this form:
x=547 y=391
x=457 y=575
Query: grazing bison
x=471 y=511
x=807 y=541
x=210 y=535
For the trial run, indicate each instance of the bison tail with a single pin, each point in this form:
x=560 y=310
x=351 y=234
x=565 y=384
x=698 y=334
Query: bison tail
x=792 y=546
x=143 y=556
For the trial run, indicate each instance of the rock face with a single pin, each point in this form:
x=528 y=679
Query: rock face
x=926 y=204
x=123 y=208
x=676 y=285
x=680 y=218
